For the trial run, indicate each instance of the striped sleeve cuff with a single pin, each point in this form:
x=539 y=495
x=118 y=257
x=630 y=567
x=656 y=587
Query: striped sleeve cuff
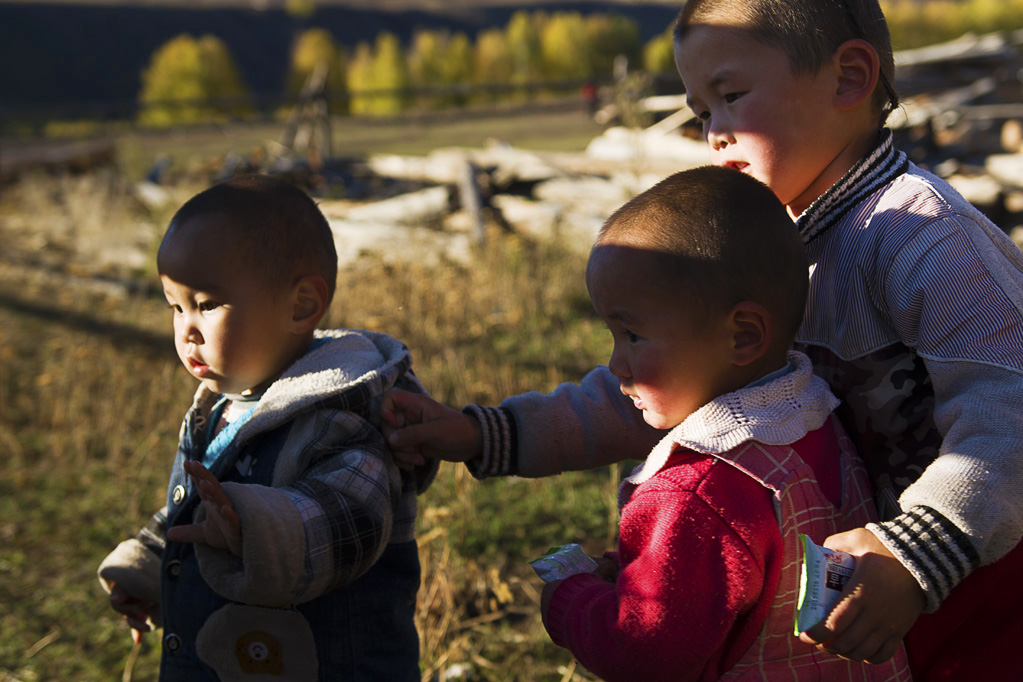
x=499 y=442
x=154 y=535
x=932 y=548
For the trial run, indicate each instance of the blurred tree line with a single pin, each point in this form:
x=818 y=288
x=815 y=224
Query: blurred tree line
x=196 y=79
x=914 y=24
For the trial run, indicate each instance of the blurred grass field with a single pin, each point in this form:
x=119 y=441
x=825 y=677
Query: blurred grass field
x=91 y=397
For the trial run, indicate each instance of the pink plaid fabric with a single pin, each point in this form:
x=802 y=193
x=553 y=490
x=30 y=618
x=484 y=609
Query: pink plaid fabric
x=777 y=655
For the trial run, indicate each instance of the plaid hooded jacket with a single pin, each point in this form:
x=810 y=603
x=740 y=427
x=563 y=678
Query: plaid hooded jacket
x=327 y=521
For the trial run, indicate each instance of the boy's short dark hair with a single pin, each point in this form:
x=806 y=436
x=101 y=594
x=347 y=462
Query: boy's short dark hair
x=717 y=237
x=808 y=31
x=278 y=228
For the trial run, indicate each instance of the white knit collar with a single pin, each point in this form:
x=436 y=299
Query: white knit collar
x=776 y=413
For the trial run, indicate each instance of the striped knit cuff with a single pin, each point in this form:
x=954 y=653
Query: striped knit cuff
x=154 y=535
x=932 y=548
x=499 y=441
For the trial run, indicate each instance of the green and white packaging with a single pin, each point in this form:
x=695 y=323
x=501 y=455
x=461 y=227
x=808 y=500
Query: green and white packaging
x=561 y=562
x=825 y=573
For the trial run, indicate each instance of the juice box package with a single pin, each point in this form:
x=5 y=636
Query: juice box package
x=561 y=562
x=825 y=573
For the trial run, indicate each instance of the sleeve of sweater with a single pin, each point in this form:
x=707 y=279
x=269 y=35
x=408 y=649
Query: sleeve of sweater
x=316 y=534
x=688 y=585
x=958 y=299
x=135 y=564
x=575 y=427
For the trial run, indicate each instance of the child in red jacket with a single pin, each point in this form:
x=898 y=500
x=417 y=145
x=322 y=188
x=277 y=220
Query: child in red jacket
x=702 y=283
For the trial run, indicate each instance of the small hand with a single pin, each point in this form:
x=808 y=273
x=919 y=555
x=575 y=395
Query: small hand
x=417 y=426
x=607 y=567
x=222 y=527
x=545 y=598
x=878 y=606
x=135 y=611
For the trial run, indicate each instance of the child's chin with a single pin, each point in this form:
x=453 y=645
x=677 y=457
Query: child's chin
x=216 y=386
x=658 y=421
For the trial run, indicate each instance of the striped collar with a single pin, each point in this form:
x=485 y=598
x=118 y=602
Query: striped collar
x=874 y=170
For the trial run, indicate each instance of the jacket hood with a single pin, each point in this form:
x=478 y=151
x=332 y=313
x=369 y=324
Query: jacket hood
x=348 y=367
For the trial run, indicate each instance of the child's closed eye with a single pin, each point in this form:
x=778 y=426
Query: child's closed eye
x=617 y=331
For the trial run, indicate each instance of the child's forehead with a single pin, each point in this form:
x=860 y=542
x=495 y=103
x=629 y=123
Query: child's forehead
x=191 y=247
x=711 y=57
x=713 y=44
x=206 y=226
x=181 y=284
x=631 y=266
x=199 y=234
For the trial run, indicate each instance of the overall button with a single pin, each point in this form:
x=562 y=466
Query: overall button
x=172 y=643
x=179 y=494
x=173 y=568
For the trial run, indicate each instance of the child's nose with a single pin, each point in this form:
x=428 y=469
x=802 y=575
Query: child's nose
x=190 y=333
x=717 y=141
x=618 y=366
x=718 y=137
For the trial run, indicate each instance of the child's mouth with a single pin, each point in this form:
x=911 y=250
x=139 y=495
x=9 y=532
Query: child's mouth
x=740 y=166
x=636 y=401
x=199 y=369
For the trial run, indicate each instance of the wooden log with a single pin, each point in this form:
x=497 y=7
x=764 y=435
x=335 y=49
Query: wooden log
x=919 y=110
x=1006 y=169
x=423 y=208
x=71 y=157
x=446 y=166
x=396 y=243
x=965 y=48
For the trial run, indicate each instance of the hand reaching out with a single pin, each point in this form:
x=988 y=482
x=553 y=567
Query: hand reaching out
x=879 y=604
x=222 y=527
x=417 y=426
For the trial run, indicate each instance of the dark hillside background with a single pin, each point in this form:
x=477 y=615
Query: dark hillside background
x=84 y=60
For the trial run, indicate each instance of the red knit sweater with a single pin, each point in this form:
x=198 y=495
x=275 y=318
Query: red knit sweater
x=700 y=552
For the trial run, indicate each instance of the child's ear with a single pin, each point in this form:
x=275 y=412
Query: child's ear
x=309 y=299
x=751 y=332
x=857 y=66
